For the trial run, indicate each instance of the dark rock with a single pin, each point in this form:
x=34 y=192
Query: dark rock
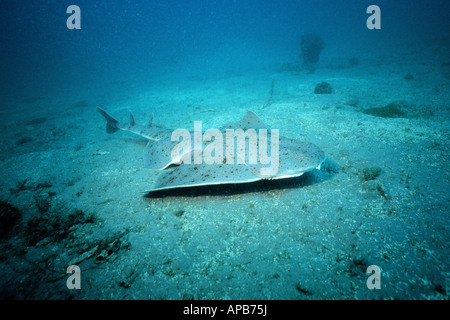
x=323 y=88
x=409 y=77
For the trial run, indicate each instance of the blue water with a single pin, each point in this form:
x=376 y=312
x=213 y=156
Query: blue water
x=145 y=42
x=310 y=238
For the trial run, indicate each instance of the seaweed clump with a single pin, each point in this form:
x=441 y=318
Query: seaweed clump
x=23 y=140
x=391 y=110
x=311 y=47
x=9 y=218
x=370 y=173
x=55 y=225
x=400 y=109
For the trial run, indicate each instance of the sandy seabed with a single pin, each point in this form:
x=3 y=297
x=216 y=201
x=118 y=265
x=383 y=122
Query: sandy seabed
x=381 y=198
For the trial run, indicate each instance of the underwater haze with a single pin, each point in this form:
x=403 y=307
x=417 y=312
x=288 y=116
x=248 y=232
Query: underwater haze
x=376 y=102
x=145 y=43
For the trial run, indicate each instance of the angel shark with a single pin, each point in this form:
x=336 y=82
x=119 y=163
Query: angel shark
x=294 y=158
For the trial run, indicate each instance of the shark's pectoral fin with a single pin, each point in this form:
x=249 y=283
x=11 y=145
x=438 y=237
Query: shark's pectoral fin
x=157 y=155
x=191 y=175
x=263 y=172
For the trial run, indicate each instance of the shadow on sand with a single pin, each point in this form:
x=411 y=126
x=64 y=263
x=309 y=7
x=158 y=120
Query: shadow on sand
x=329 y=169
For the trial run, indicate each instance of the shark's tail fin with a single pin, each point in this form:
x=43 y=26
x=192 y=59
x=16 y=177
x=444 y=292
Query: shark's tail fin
x=112 y=124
